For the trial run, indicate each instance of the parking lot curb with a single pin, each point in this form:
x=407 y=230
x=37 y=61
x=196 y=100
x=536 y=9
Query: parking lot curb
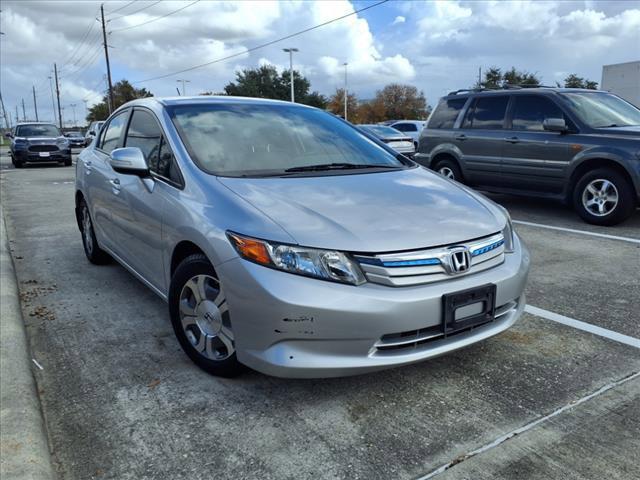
x=24 y=449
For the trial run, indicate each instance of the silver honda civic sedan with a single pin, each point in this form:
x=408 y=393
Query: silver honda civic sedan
x=285 y=240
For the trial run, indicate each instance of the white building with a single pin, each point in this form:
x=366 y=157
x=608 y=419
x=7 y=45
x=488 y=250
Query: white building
x=623 y=79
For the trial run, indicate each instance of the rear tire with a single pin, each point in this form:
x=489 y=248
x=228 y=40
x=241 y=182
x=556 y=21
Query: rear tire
x=449 y=168
x=603 y=197
x=200 y=317
x=92 y=250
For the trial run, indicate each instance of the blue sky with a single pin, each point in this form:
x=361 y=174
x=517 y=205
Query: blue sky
x=436 y=46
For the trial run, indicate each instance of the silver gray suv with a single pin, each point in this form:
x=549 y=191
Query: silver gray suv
x=286 y=240
x=579 y=146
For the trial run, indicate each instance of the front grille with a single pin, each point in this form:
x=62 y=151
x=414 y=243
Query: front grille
x=402 y=342
x=43 y=148
x=426 y=266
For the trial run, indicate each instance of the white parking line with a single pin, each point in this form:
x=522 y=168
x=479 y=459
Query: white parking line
x=583 y=232
x=528 y=426
x=587 y=327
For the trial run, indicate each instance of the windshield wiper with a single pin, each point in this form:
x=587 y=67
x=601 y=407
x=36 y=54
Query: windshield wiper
x=613 y=125
x=336 y=166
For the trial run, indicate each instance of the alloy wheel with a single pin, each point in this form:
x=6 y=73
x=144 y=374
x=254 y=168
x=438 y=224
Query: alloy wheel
x=600 y=197
x=204 y=316
x=447 y=172
x=87 y=233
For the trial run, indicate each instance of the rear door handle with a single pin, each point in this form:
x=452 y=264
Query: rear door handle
x=462 y=137
x=512 y=139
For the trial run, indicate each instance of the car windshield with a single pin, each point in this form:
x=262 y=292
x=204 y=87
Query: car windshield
x=601 y=110
x=381 y=130
x=263 y=140
x=37 y=131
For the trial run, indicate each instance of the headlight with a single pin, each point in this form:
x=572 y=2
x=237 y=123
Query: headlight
x=62 y=142
x=21 y=142
x=507 y=233
x=311 y=262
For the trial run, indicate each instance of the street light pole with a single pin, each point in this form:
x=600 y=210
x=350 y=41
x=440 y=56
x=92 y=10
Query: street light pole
x=346 y=91
x=73 y=106
x=291 y=50
x=183 y=82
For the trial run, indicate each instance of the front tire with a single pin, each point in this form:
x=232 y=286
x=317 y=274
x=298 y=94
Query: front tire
x=603 y=197
x=200 y=317
x=94 y=253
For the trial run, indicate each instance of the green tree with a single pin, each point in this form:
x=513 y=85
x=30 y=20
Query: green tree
x=266 y=82
x=574 y=81
x=123 y=92
x=402 y=102
x=494 y=77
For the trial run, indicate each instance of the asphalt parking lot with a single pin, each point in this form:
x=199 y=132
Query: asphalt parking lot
x=543 y=400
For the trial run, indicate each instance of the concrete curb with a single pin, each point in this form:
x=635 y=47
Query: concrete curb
x=24 y=449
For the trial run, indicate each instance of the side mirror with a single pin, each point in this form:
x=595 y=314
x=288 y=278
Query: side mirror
x=92 y=133
x=129 y=161
x=65 y=135
x=8 y=135
x=555 y=125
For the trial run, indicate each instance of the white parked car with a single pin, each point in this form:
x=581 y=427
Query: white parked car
x=400 y=142
x=411 y=128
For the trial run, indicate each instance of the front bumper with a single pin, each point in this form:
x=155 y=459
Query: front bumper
x=292 y=326
x=35 y=157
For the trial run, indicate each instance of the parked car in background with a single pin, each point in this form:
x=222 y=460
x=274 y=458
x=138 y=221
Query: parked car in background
x=579 y=146
x=76 y=139
x=92 y=131
x=37 y=143
x=296 y=244
x=410 y=128
x=398 y=141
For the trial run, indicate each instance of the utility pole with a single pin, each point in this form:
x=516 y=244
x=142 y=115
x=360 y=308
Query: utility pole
x=35 y=103
x=53 y=100
x=7 y=120
x=290 y=51
x=55 y=72
x=24 y=112
x=17 y=116
x=106 y=56
x=86 y=111
x=479 y=77
x=183 y=82
x=346 y=91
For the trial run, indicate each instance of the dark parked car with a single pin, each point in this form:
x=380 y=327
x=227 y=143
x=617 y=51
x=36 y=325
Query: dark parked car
x=76 y=139
x=38 y=142
x=580 y=146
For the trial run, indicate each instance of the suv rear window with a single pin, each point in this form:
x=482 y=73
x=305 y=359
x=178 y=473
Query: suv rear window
x=488 y=113
x=446 y=113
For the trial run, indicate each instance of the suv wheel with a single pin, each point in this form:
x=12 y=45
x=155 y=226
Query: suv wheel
x=93 y=252
x=449 y=169
x=200 y=317
x=603 y=197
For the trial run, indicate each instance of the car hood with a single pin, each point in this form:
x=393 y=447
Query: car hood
x=374 y=212
x=632 y=130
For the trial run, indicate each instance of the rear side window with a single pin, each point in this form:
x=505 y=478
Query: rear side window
x=446 y=113
x=112 y=135
x=530 y=111
x=405 y=127
x=487 y=114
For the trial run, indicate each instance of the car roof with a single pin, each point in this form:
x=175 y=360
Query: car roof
x=208 y=100
x=516 y=91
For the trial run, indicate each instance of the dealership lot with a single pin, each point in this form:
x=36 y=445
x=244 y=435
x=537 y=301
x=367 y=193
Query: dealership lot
x=121 y=400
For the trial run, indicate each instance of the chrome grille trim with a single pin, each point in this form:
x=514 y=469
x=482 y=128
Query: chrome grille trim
x=427 y=266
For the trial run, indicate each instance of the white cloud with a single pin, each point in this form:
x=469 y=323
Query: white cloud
x=399 y=19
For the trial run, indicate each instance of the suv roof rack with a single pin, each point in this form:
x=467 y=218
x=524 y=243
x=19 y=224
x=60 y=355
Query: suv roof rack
x=504 y=87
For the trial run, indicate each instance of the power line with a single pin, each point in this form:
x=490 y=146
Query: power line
x=121 y=8
x=79 y=45
x=118 y=17
x=252 y=49
x=154 y=19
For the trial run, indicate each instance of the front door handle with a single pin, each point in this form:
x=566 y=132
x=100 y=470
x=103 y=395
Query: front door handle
x=512 y=140
x=115 y=185
x=462 y=137
x=87 y=165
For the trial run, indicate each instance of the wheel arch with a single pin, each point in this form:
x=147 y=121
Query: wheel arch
x=182 y=250
x=594 y=163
